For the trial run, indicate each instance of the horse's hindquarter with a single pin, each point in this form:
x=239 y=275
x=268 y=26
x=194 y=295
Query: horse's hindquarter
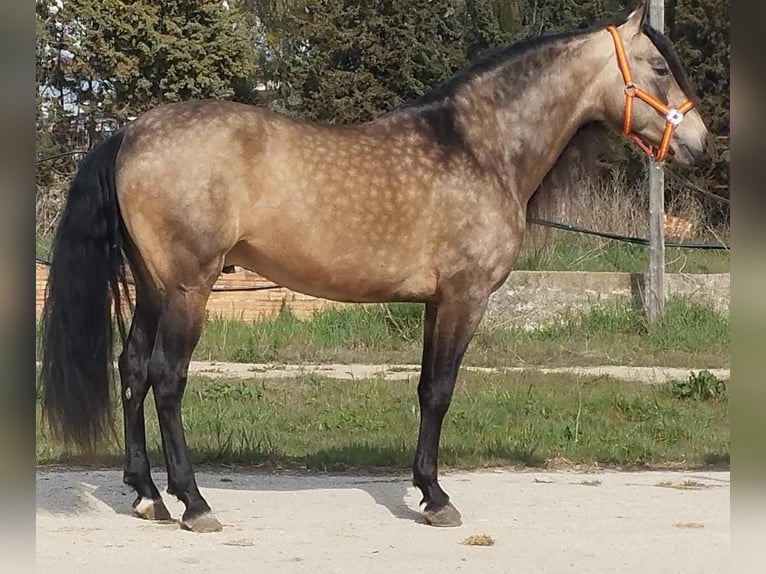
x=361 y=213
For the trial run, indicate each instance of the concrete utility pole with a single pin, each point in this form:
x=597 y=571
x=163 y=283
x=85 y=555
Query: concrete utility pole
x=655 y=299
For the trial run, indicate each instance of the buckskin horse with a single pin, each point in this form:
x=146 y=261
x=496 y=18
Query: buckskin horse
x=427 y=203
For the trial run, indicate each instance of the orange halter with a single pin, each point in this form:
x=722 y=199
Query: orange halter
x=673 y=116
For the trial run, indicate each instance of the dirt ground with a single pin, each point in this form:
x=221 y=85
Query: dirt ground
x=540 y=522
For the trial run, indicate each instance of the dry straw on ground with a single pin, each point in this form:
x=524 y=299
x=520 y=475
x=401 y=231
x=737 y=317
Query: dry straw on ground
x=478 y=540
x=689 y=525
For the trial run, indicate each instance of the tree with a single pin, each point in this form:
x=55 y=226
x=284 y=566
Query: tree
x=352 y=60
x=483 y=29
x=700 y=32
x=124 y=57
x=536 y=17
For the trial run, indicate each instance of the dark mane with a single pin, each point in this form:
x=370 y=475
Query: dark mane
x=665 y=48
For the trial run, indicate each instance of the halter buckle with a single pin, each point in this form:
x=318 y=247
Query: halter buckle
x=674 y=116
x=630 y=89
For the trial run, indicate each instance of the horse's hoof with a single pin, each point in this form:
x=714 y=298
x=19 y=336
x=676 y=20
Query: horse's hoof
x=447 y=515
x=206 y=522
x=150 y=509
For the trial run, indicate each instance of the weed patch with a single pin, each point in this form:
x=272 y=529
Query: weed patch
x=702 y=386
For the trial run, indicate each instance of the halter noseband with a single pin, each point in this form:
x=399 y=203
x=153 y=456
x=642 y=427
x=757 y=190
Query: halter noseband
x=673 y=116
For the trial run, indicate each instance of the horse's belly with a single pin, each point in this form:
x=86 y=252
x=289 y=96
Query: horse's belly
x=349 y=275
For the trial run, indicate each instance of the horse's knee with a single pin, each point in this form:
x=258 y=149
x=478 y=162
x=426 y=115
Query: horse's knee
x=167 y=397
x=164 y=384
x=128 y=366
x=434 y=399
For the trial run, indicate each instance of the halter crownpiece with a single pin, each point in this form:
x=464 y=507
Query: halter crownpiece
x=673 y=116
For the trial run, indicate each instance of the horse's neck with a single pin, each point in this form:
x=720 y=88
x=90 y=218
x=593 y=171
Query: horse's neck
x=526 y=127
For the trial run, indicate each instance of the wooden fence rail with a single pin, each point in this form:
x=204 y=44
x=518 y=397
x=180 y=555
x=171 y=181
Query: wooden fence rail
x=245 y=305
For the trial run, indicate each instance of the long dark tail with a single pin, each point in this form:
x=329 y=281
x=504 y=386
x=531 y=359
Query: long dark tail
x=86 y=277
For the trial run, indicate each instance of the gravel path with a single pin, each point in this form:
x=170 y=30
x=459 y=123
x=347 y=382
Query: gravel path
x=650 y=375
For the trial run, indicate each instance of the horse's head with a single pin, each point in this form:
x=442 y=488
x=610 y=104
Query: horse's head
x=648 y=95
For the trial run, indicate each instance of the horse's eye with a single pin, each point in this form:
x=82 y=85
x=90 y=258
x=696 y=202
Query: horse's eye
x=661 y=71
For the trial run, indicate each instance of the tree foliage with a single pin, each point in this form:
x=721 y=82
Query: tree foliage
x=122 y=58
x=352 y=60
x=700 y=32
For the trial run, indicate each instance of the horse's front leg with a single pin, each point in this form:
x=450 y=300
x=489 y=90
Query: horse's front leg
x=449 y=327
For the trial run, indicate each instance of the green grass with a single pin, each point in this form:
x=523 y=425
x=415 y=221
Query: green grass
x=525 y=419
x=689 y=334
x=43 y=248
x=577 y=253
x=369 y=333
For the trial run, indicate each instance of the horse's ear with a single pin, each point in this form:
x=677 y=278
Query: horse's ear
x=637 y=18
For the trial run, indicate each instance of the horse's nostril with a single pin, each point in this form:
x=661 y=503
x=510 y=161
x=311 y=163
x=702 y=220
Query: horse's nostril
x=701 y=151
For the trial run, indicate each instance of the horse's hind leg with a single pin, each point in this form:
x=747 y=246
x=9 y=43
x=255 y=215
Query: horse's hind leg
x=133 y=366
x=180 y=325
x=448 y=330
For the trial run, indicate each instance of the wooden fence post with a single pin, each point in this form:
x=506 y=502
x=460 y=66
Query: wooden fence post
x=655 y=299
